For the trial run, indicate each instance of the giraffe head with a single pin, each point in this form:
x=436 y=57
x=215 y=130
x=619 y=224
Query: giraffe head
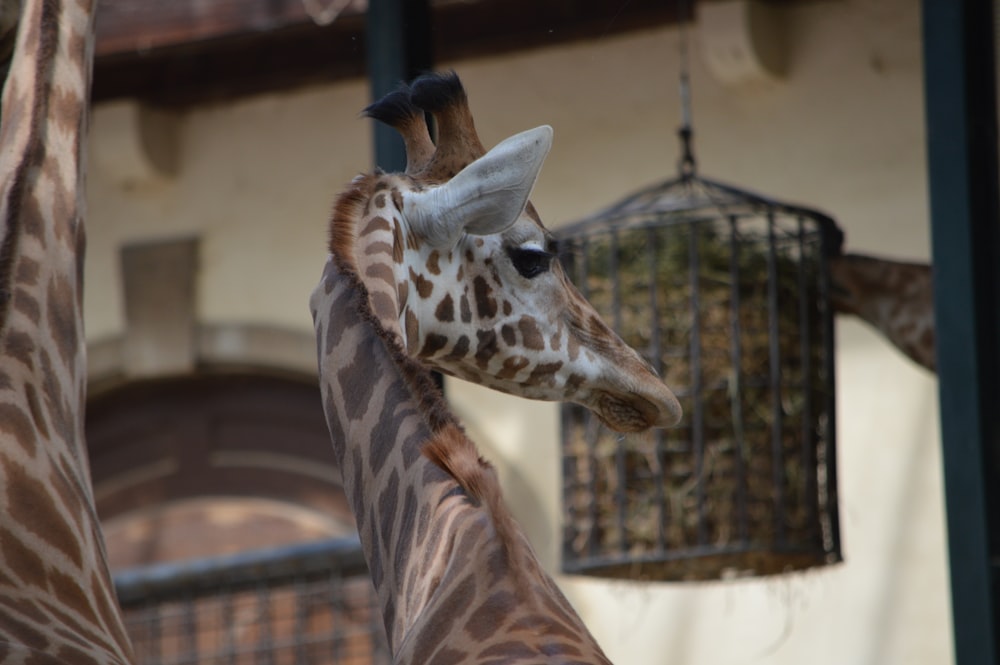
x=458 y=264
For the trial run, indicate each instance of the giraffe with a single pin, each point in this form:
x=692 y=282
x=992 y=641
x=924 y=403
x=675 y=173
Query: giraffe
x=57 y=602
x=447 y=266
x=894 y=297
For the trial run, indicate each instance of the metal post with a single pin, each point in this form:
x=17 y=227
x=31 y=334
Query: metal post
x=960 y=89
x=398 y=34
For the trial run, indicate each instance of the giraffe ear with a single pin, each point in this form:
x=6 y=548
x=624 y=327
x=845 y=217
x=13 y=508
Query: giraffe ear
x=485 y=197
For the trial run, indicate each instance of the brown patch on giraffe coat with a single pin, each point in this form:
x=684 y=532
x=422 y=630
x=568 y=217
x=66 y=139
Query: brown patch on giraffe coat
x=460 y=350
x=508 y=335
x=61 y=310
x=433 y=262
x=555 y=342
x=412 y=241
x=108 y=610
x=20 y=346
x=383 y=304
x=445 y=311
x=574 y=383
x=507 y=308
x=356 y=385
x=16 y=423
x=424 y=286
x=69 y=592
x=376 y=224
x=69 y=495
x=511 y=367
x=70 y=654
x=397 y=199
x=30 y=503
x=397 y=244
x=412 y=331
x=26 y=304
x=35 y=409
x=544 y=373
x=382 y=272
x=572 y=347
x=432 y=344
x=510 y=652
x=375 y=248
x=22 y=560
x=448 y=656
x=402 y=293
x=62 y=207
x=379 y=200
x=531 y=336
x=464 y=309
x=486 y=348
x=486 y=305
x=27 y=271
x=32 y=216
x=387 y=502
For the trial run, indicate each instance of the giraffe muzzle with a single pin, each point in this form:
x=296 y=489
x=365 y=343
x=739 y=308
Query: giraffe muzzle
x=635 y=413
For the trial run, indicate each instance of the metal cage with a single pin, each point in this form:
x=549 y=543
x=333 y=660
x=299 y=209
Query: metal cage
x=726 y=294
x=307 y=604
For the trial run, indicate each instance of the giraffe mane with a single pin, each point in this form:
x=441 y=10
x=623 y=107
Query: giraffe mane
x=347 y=209
x=457 y=454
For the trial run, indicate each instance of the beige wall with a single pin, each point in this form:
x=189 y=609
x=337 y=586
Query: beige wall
x=843 y=132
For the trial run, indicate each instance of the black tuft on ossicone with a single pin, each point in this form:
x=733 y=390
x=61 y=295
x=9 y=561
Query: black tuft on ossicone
x=437 y=91
x=394 y=109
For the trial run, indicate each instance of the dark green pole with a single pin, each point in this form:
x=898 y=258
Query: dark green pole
x=398 y=35
x=960 y=92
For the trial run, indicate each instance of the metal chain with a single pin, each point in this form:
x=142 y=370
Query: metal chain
x=686 y=131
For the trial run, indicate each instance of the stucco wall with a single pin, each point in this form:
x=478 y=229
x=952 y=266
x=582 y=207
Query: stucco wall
x=843 y=132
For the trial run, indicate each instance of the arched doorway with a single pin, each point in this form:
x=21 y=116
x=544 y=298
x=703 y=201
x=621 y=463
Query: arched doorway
x=191 y=468
x=210 y=464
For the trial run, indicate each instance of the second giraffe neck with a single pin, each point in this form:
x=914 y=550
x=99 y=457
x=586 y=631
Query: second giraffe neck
x=443 y=554
x=56 y=596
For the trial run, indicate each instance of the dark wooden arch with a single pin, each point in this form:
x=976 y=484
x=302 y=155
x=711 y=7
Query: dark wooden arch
x=212 y=435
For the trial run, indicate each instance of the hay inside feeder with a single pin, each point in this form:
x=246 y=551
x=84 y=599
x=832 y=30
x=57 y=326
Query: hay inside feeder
x=725 y=294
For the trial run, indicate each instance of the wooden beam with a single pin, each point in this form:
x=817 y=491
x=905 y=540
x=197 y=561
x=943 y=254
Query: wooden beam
x=138 y=27
x=179 y=53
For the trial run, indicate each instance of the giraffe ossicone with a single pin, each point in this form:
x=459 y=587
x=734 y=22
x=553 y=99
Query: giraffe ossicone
x=458 y=264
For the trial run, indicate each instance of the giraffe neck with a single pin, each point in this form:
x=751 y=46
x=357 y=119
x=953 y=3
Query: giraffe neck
x=56 y=595
x=454 y=575
x=894 y=297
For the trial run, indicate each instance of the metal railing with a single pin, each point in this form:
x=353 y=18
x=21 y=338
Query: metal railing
x=305 y=604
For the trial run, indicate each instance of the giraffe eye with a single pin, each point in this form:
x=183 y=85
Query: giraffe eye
x=530 y=262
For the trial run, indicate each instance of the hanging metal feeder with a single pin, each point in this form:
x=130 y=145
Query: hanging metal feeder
x=726 y=294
